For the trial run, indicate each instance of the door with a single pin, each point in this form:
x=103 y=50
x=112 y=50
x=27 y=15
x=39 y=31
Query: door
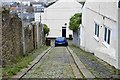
x=64 y=32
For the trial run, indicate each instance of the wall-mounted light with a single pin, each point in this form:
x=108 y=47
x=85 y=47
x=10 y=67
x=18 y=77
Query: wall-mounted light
x=65 y=24
x=103 y=17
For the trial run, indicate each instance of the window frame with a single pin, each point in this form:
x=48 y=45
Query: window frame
x=107 y=36
x=96 y=29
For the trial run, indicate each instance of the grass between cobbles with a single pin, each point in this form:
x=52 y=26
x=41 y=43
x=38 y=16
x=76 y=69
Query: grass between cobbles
x=21 y=62
x=91 y=57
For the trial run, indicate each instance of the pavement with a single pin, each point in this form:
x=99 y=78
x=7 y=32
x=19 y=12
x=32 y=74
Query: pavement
x=82 y=68
x=98 y=67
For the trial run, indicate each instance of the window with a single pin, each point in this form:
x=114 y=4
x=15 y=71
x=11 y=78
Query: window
x=107 y=35
x=119 y=4
x=96 y=29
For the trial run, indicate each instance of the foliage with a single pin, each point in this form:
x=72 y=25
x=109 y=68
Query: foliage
x=46 y=29
x=5 y=11
x=21 y=62
x=75 y=21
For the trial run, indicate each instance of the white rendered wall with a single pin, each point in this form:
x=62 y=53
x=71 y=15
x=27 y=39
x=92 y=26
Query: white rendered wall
x=58 y=14
x=105 y=14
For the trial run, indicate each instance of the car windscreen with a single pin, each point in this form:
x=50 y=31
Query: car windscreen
x=60 y=38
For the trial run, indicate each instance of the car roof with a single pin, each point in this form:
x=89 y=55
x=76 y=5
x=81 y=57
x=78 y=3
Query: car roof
x=60 y=37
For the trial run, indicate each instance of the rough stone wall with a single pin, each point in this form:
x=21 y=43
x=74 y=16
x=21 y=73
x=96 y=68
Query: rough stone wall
x=40 y=35
x=31 y=37
x=11 y=38
x=29 y=44
x=34 y=36
x=0 y=37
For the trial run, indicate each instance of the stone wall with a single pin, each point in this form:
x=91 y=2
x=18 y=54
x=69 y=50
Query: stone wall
x=31 y=39
x=41 y=37
x=11 y=37
x=76 y=37
x=0 y=37
x=29 y=44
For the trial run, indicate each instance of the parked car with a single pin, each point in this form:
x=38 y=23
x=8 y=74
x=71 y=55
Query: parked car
x=61 y=41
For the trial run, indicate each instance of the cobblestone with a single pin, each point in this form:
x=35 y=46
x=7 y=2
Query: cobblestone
x=99 y=68
x=55 y=65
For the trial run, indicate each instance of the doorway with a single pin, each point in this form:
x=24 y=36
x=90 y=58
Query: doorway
x=64 y=32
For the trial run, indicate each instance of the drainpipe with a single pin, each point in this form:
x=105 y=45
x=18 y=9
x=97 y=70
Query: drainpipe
x=118 y=35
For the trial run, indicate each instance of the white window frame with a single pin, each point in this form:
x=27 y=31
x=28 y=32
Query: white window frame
x=96 y=31
x=106 y=43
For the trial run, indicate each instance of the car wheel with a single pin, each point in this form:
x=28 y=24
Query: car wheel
x=67 y=44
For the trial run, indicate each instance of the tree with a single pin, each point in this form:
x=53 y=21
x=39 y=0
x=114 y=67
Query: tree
x=46 y=29
x=75 y=21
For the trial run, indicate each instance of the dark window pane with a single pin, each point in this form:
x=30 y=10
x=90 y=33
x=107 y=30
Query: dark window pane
x=95 y=29
x=119 y=4
x=98 y=31
x=109 y=36
x=105 y=34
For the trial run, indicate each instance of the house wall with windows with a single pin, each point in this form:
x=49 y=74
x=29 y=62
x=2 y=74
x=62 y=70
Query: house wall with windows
x=99 y=30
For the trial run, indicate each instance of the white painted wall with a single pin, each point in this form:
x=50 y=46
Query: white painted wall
x=58 y=14
x=94 y=11
x=76 y=38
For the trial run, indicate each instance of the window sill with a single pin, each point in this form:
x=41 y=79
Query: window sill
x=96 y=38
x=106 y=44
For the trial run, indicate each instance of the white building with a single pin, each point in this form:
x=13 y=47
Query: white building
x=99 y=30
x=58 y=14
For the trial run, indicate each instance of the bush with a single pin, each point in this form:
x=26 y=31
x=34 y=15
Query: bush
x=46 y=29
x=75 y=21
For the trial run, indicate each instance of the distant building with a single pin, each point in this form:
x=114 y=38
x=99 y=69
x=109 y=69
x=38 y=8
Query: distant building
x=57 y=17
x=99 y=30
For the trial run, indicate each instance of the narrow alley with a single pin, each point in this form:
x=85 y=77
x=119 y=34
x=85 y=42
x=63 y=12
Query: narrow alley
x=56 y=64
x=67 y=62
x=59 y=39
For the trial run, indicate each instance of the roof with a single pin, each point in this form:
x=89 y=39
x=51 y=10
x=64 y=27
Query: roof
x=82 y=2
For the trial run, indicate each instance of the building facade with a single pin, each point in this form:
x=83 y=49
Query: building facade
x=57 y=17
x=99 y=30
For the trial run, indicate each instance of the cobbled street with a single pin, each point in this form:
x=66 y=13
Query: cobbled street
x=56 y=64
